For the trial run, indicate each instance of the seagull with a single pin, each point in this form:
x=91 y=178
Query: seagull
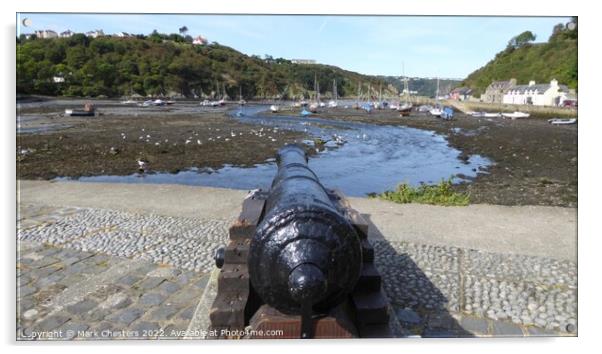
x=198 y=142
x=142 y=165
x=187 y=141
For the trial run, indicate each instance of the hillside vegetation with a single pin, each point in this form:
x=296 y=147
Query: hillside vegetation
x=525 y=61
x=169 y=65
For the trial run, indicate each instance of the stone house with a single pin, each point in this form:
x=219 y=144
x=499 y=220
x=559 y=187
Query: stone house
x=495 y=91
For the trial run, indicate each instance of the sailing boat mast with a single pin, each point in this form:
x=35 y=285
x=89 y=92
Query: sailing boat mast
x=334 y=89
x=406 y=86
x=317 y=91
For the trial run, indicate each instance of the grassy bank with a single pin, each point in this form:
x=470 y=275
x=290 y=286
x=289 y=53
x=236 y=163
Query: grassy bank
x=439 y=194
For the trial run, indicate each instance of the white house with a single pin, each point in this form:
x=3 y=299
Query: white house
x=95 y=34
x=121 y=34
x=46 y=34
x=550 y=94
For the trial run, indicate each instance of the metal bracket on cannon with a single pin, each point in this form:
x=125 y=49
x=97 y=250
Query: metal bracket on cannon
x=239 y=311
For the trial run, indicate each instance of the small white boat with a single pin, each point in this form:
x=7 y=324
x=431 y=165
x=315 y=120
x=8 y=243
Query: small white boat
x=484 y=114
x=405 y=109
x=405 y=106
x=321 y=104
x=492 y=115
x=274 y=108
x=560 y=121
x=425 y=108
x=516 y=115
x=436 y=112
x=332 y=104
x=313 y=108
x=129 y=102
x=205 y=103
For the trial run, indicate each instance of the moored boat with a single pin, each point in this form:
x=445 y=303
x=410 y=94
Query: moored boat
x=447 y=113
x=405 y=109
x=88 y=111
x=492 y=115
x=367 y=107
x=435 y=111
x=561 y=121
x=425 y=108
x=516 y=115
x=274 y=108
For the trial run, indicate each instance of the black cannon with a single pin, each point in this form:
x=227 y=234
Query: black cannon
x=305 y=255
x=299 y=249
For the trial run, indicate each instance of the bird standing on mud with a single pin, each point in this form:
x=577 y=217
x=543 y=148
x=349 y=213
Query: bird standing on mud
x=142 y=165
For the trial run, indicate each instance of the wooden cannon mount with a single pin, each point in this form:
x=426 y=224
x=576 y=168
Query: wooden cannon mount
x=238 y=312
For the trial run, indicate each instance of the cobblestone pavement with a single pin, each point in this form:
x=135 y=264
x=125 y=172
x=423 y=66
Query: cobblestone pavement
x=449 y=291
x=89 y=273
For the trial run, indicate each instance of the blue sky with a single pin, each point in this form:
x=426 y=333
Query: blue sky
x=450 y=47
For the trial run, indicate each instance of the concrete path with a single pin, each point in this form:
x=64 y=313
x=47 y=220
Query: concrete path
x=527 y=230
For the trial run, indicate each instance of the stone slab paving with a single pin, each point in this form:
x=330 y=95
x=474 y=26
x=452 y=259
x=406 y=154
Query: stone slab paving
x=86 y=273
x=72 y=294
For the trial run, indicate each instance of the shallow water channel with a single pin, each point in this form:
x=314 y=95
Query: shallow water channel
x=373 y=158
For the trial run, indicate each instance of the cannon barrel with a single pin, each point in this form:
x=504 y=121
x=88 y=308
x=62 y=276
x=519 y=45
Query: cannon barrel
x=305 y=256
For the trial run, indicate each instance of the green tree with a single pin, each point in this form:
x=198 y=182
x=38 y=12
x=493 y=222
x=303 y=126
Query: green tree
x=522 y=39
